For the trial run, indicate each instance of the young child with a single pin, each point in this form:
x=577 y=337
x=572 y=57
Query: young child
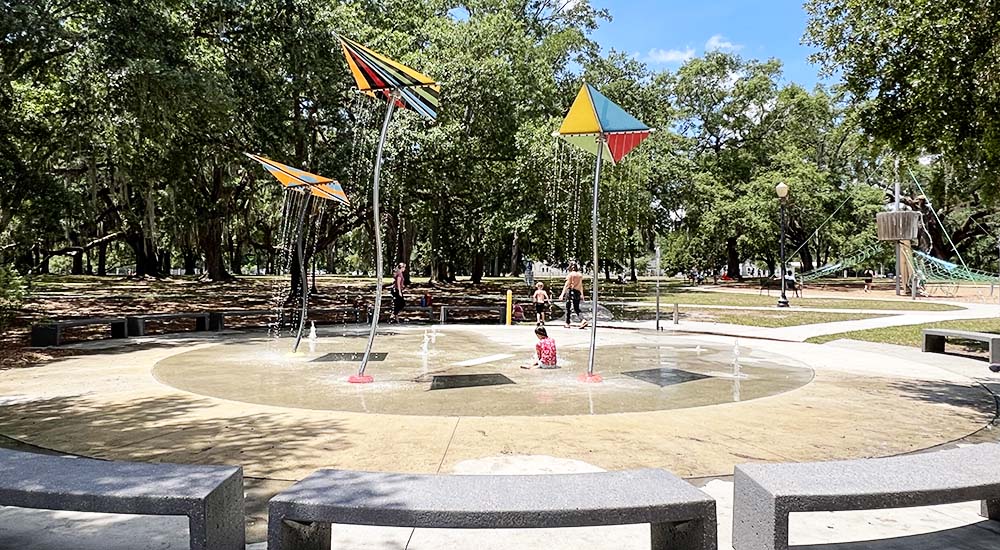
x=545 y=351
x=541 y=299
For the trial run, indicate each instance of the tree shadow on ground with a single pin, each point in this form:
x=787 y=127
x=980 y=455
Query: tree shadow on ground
x=974 y=397
x=977 y=536
x=177 y=429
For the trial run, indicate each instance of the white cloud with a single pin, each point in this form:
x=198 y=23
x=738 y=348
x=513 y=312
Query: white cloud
x=719 y=43
x=656 y=55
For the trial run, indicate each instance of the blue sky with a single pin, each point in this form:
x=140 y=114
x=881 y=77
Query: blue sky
x=663 y=33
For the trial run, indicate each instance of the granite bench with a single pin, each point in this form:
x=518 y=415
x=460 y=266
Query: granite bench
x=217 y=319
x=681 y=516
x=443 y=315
x=137 y=323
x=765 y=494
x=934 y=339
x=210 y=496
x=51 y=334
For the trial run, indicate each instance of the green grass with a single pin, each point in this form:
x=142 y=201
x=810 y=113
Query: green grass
x=910 y=335
x=769 y=319
x=747 y=300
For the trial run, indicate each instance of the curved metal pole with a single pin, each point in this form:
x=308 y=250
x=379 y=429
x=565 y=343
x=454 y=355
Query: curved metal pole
x=593 y=309
x=378 y=235
x=303 y=277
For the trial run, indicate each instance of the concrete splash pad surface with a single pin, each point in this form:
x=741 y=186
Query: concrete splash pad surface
x=108 y=404
x=461 y=372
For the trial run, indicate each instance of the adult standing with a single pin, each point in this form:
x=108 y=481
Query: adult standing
x=869 y=275
x=398 y=284
x=572 y=292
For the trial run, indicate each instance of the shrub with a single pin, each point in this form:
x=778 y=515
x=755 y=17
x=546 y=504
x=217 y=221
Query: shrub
x=12 y=294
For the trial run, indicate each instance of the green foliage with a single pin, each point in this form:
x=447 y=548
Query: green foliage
x=13 y=291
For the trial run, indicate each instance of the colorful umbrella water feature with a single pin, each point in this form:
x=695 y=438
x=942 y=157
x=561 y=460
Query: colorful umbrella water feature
x=301 y=181
x=595 y=124
x=402 y=87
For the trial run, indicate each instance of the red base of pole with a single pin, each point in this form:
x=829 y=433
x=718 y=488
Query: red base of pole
x=360 y=379
x=590 y=378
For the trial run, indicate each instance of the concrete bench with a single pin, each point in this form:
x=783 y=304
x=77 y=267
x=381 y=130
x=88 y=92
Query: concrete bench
x=210 y=496
x=681 y=516
x=51 y=334
x=217 y=319
x=387 y=306
x=443 y=315
x=765 y=494
x=137 y=323
x=934 y=339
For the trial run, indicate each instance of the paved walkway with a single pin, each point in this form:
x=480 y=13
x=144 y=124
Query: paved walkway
x=801 y=333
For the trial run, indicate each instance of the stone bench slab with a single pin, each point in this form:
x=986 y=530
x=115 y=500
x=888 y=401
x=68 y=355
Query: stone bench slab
x=51 y=333
x=137 y=323
x=765 y=494
x=210 y=496
x=679 y=513
x=934 y=340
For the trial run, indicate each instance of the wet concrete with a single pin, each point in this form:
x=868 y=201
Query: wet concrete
x=463 y=373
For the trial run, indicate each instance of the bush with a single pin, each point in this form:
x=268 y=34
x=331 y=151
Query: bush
x=12 y=294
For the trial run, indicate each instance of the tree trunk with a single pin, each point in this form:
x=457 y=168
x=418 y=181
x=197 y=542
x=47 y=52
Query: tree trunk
x=146 y=260
x=74 y=240
x=102 y=259
x=631 y=266
x=478 y=264
x=211 y=246
x=732 y=258
x=807 y=258
x=515 y=257
x=190 y=262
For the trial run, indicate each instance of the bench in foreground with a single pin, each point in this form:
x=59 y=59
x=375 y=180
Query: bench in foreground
x=51 y=334
x=765 y=494
x=934 y=339
x=210 y=496
x=681 y=516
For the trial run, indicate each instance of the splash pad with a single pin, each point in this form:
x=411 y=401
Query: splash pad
x=460 y=371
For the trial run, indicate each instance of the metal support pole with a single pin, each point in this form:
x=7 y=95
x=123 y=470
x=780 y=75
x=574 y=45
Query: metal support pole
x=677 y=314
x=657 y=287
x=378 y=241
x=783 y=300
x=899 y=258
x=303 y=274
x=593 y=322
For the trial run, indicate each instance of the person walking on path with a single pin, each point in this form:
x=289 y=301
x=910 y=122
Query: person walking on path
x=398 y=284
x=869 y=274
x=572 y=292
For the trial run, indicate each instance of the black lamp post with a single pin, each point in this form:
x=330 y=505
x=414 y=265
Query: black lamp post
x=782 y=191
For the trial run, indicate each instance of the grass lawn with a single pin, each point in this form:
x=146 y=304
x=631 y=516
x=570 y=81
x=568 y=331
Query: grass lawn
x=733 y=299
x=911 y=335
x=755 y=318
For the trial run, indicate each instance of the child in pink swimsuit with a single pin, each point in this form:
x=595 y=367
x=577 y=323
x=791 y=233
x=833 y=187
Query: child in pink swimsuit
x=545 y=351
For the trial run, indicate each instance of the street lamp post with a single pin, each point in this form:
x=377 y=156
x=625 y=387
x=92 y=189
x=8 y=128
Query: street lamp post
x=782 y=191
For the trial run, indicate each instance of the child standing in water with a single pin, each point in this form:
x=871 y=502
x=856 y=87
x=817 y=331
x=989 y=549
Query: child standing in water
x=541 y=299
x=545 y=351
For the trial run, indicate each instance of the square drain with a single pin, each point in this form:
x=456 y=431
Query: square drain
x=348 y=356
x=665 y=376
x=451 y=381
